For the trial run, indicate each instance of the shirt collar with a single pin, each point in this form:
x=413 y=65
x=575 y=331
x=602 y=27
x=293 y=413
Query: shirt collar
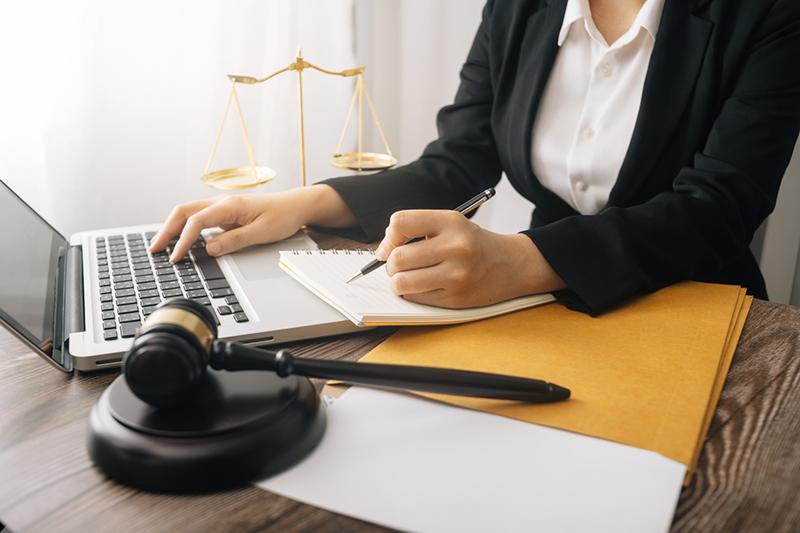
x=649 y=17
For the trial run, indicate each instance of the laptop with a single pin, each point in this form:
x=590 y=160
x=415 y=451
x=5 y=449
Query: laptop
x=79 y=301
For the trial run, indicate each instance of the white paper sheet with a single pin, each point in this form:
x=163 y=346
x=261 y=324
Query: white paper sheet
x=415 y=464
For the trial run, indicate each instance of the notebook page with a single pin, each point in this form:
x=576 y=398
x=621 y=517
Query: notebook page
x=370 y=298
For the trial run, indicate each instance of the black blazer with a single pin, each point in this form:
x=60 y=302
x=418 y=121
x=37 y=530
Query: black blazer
x=717 y=125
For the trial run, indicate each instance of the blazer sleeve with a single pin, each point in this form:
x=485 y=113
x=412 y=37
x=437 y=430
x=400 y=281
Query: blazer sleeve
x=458 y=165
x=709 y=217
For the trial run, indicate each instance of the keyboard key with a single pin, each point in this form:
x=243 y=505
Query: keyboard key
x=120 y=285
x=129 y=317
x=188 y=274
x=203 y=301
x=127 y=300
x=236 y=308
x=192 y=286
x=122 y=277
x=148 y=293
x=209 y=269
x=224 y=310
x=109 y=324
x=200 y=293
x=172 y=293
x=107 y=315
x=146 y=311
x=144 y=278
x=103 y=275
x=102 y=269
x=125 y=292
x=170 y=285
x=240 y=317
x=105 y=290
x=150 y=285
x=107 y=306
x=129 y=329
x=142 y=259
x=230 y=300
x=105 y=282
x=219 y=293
x=138 y=267
x=110 y=334
x=147 y=302
x=105 y=298
x=130 y=308
x=218 y=284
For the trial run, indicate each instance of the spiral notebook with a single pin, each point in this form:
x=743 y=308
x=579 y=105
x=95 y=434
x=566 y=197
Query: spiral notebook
x=369 y=300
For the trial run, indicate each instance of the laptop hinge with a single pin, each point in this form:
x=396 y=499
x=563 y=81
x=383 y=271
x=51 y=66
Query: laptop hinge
x=73 y=291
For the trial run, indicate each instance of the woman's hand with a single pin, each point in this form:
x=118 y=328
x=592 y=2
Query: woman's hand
x=249 y=220
x=460 y=264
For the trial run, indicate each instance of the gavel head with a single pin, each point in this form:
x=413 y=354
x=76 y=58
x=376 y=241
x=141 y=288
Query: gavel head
x=170 y=352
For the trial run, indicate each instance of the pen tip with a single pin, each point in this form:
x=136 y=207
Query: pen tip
x=358 y=275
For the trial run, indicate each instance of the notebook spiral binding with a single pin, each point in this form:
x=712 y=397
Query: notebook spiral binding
x=333 y=252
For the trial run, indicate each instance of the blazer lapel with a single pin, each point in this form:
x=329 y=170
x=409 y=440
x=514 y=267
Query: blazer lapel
x=537 y=54
x=674 y=67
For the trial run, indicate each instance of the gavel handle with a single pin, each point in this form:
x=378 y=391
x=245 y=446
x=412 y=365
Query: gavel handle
x=234 y=356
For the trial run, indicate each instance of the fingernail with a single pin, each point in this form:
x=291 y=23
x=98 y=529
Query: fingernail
x=380 y=253
x=213 y=248
x=172 y=259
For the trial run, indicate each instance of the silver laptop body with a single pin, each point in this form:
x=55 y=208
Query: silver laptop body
x=78 y=305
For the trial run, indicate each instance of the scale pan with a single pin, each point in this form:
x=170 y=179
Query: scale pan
x=369 y=161
x=238 y=177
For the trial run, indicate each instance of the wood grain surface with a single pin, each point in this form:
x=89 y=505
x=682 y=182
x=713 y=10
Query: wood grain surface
x=748 y=476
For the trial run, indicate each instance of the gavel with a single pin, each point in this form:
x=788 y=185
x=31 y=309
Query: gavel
x=178 y=342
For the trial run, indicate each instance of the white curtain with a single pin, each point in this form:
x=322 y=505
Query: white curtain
x=108 y=109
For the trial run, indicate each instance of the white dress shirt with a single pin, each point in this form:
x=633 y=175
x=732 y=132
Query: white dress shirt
x=589 y=107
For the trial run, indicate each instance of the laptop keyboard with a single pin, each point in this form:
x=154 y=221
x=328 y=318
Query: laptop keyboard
x=133 y=282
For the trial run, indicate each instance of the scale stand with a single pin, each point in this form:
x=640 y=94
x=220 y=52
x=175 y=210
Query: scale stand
x=254 y=175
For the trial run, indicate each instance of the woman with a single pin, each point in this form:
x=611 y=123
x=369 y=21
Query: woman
x=649 y=160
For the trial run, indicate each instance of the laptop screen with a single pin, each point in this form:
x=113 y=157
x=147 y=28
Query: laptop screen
x=29 y=249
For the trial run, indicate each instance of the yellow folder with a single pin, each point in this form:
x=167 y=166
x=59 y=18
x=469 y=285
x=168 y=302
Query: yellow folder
x=647 y=374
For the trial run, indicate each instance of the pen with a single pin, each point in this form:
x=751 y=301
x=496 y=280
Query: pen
x=467 y=207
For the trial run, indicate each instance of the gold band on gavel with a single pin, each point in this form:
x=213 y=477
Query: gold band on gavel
x=183 y=319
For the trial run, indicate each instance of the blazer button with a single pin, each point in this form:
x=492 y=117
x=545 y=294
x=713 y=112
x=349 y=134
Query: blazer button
x=581 y=185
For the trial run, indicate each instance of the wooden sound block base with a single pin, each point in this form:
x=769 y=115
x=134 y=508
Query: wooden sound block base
x=237 y=428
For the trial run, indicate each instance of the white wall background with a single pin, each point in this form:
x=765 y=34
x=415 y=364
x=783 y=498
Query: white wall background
x=108 y=108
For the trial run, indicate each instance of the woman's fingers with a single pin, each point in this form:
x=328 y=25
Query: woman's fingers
x=405 y=225
x=420 y=280
x=216 y=214
x=174 y=223
x=420 y=254
x=232 y=240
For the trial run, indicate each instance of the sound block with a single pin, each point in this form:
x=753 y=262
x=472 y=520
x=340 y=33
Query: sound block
x=237 y=427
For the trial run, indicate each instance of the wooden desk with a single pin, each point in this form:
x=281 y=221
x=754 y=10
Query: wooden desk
x=748 y=478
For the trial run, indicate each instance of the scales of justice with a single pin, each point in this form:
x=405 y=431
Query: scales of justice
x=254 y=174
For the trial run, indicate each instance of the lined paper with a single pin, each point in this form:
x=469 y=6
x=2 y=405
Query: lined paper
x=369 y=300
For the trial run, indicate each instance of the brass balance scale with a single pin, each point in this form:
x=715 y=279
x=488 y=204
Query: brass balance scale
x=254 y=174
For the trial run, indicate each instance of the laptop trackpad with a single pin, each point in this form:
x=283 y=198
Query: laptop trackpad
x=261 y=261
